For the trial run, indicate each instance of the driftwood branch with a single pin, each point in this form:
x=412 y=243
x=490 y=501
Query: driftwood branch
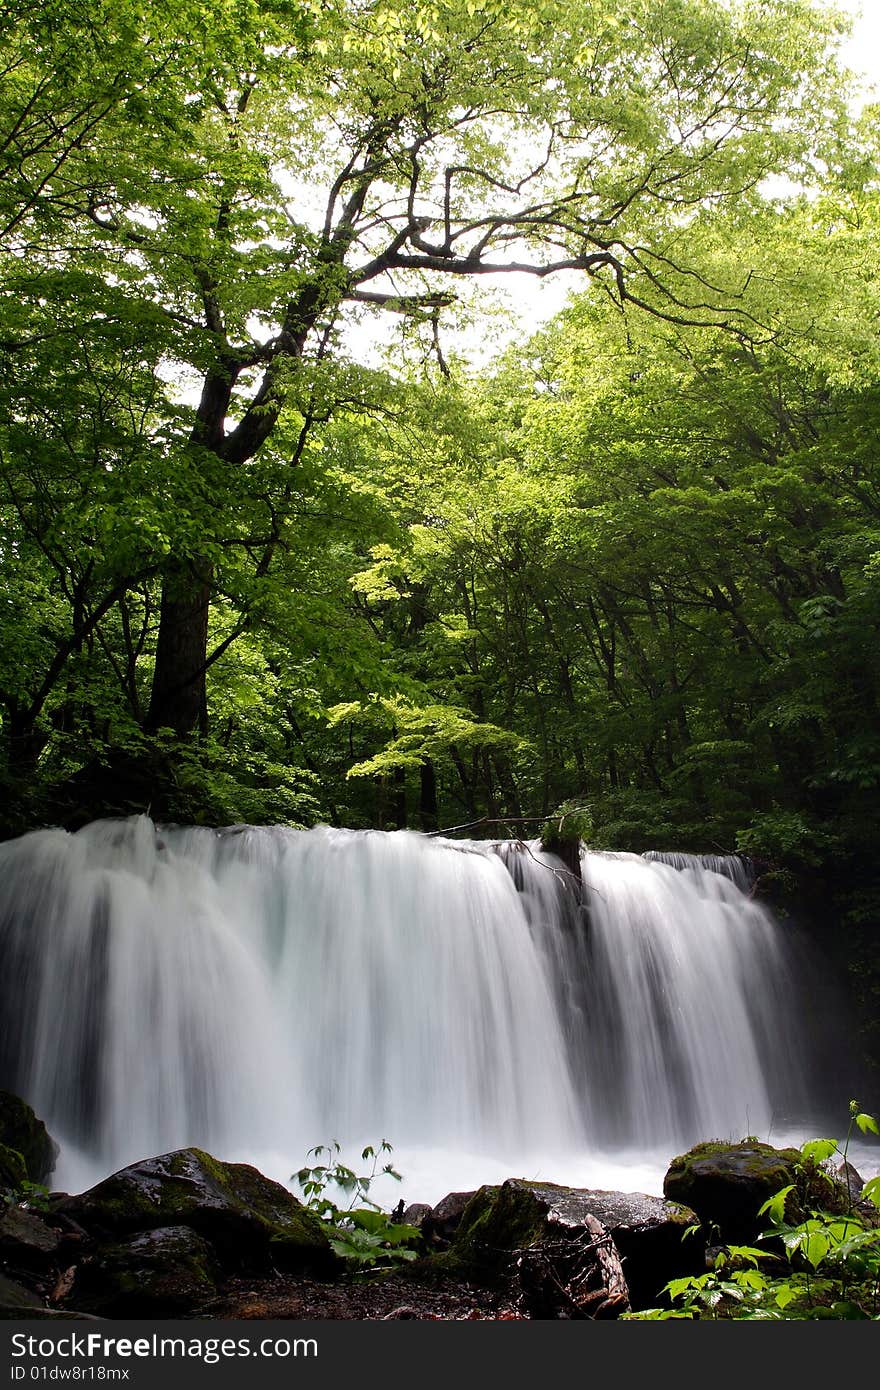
x=506 y=820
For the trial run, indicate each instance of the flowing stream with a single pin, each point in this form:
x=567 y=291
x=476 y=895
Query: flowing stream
x=260 y=991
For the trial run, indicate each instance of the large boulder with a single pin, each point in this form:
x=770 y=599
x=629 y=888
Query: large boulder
x=648 y=1234
x=542 y=1239
x=166 y=1272
x=25 y=1135
x=726 y=1184
x=26 y=1240
x=249 y=1220
x=651 y=1236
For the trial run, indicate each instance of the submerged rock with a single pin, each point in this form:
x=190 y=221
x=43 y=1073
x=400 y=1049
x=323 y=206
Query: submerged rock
x=25 y=1135
x=249 y=1220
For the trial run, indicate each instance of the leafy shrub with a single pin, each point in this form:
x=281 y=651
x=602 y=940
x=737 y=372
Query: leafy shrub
x=829 y=1265
x=361 y=1232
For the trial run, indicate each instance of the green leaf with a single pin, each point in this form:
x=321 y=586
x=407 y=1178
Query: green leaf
x=774 y=1207
x=818 y=1150
x=871 y=1191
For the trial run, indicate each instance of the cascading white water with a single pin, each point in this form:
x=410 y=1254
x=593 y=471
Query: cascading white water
x=258 y=991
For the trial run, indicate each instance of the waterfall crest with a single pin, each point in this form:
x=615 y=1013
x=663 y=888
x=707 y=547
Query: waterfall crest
x=262 y=990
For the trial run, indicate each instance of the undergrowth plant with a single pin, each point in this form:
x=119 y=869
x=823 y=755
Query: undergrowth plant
x=823 y=1259
x=361 y=1232
x=16 y=1189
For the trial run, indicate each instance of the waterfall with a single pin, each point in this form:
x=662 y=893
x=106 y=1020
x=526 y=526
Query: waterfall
x=259 y=991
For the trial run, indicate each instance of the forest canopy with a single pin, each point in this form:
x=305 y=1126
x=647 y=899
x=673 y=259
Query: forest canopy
x=629 y=567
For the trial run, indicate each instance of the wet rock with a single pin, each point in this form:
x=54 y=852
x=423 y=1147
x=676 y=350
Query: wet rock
x=850 y=1178
x=250 y=1220
x=22 y=1132
x=726 y=1184
x=440 y=1226
x=649 y=1233
x=26 y=1240
x=415 y=1214
x=544 y=1238
x=166 y=1272
x=16 y=1301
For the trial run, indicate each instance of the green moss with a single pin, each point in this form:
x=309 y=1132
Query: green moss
x=239 y=1210
x=727 y=1183
x=163 y=1272
x=496 y=1223
x=21 y=1131
x=750 y=1157
x=13 y=1170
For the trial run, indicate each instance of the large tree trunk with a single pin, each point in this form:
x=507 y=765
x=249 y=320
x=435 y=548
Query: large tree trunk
x=178 y=700
x=427 y=795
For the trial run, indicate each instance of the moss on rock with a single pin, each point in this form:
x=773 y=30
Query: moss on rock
x=166 y=1272
x=248 y=1218
x=21 y=1131
x=13 y=1172
x=727 y=1183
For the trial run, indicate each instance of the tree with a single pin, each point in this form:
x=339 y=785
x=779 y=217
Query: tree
x=453 y=140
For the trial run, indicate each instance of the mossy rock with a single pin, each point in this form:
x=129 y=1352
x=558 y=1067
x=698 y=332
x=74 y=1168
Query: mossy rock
x=650 y=1235
x=21 y=1131
x=13 y=1172
x=166 y=1272
x=648 y=1232
x=250 y=1220
x=727 y=1183
x=545 y=1240
x=491 y=1227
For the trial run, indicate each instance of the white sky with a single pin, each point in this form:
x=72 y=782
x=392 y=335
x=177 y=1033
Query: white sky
x=862 y=51
x=524 y=303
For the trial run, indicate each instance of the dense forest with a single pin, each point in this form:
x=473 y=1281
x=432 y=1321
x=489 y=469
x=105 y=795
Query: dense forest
x=622 y=574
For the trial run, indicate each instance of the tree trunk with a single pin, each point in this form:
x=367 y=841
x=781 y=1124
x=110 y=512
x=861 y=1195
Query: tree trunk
x=178 y=700
x=427 y=795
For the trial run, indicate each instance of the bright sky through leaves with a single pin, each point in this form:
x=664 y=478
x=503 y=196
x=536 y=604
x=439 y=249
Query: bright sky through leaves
x=523 y=304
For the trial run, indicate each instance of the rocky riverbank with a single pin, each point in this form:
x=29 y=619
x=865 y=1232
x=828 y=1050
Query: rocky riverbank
x=185 y=1235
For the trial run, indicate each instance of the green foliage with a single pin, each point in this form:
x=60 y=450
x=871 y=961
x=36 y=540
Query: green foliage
x=828 y=1265
x=178 y=413
x=786 y=836
x=33 y=1195
x=568 y=822
x=419 y=733
x=360 y=1232
x=16 y=1188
